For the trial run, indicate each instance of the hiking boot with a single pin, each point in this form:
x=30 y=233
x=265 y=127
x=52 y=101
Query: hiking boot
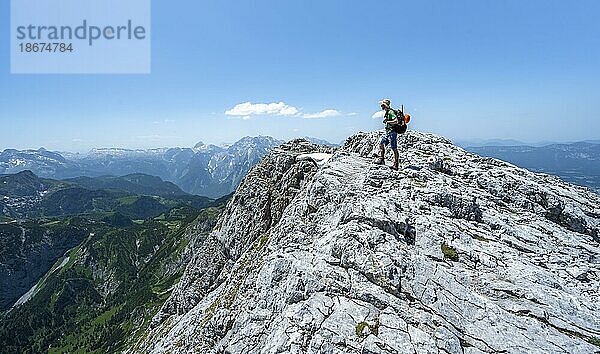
x=380 y=161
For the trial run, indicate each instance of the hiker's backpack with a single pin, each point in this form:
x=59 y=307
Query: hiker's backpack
x=400 y=128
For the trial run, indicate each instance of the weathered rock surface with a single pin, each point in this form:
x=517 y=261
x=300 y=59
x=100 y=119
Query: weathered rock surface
x=454 y=253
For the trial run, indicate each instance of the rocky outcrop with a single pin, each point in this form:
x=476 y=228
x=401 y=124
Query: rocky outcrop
x=256 y=206
x=454 y=253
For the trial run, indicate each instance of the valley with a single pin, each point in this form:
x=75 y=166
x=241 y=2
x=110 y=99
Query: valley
x=86 y=262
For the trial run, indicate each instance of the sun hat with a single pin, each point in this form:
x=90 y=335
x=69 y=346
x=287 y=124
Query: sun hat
x=386 y=102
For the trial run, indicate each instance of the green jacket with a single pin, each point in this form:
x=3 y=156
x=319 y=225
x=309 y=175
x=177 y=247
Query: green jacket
x=388 y=117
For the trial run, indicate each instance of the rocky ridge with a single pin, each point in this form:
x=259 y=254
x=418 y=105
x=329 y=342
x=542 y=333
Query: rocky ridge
x=454 y=253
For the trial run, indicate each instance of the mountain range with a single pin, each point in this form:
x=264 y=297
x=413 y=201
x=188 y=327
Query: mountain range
x=138 y=196
x=205 y=169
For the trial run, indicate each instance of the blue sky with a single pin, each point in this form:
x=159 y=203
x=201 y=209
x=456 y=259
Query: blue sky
x=526 y=70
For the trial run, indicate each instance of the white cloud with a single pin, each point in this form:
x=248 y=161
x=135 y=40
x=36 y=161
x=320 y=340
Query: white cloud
x=324 y=114
x=247 y=109
x=352 y=114
x=378 y=114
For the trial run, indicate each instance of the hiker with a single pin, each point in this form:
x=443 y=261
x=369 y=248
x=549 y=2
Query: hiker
x=390 y=118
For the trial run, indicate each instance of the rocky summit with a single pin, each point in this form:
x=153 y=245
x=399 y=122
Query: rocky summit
x=321 y=251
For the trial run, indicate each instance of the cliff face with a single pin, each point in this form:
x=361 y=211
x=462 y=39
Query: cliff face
x=453 y=253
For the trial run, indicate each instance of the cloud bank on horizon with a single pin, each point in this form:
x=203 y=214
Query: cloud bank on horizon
x=248 y=109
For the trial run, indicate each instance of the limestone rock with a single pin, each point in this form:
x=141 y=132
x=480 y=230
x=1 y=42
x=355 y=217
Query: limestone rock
x=453 y=253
